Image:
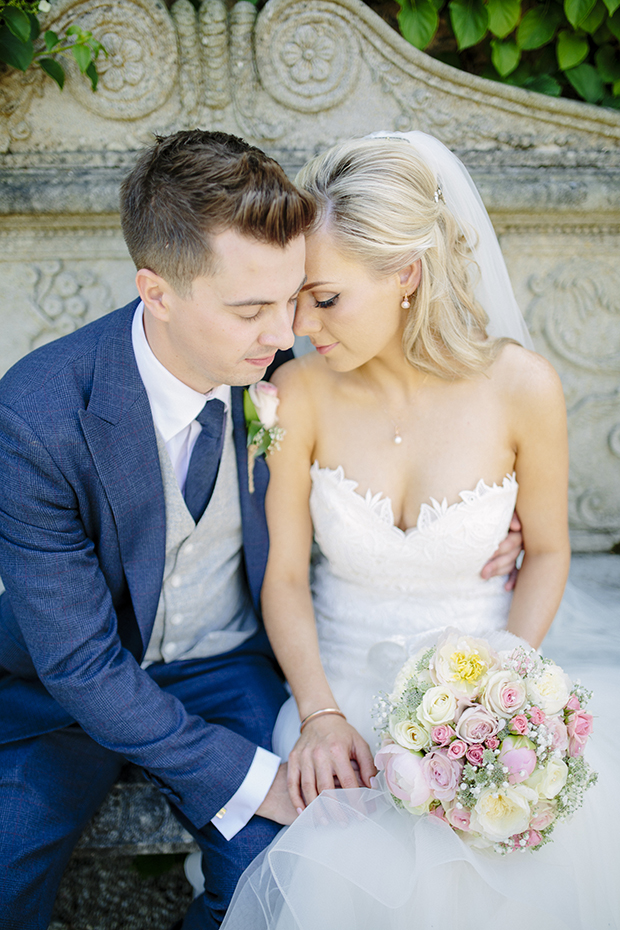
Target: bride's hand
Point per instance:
(329, 753)
(504, 559)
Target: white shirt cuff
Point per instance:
(249, 796)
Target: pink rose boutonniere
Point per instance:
(260, 405)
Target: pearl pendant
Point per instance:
(398, 439)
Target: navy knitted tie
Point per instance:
(205, 458)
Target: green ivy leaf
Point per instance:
(18, 22)
(469, 19)
(55, 71)
(608, 64)
(613, 24)
(91, 74)
(51, 40)
(35, 27)
(616, 89)
(418, 21)
(538, 27)
(613, 102)
(577, 10)
(13, 51)
(504, 16)
(571, 49)
(594, 19)
(505, 56)
(587, 82)
(82, 55)
(612, 6)
(543, 84)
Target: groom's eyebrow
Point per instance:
(257, 302)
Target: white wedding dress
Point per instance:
(352, 861)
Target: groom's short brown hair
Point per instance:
(192, 185)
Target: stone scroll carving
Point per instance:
(294, 78)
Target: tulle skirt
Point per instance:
(352, 861)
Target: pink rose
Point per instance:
(579, 726)
(536, 716)
(264, 396)
(573, 703)
(457, 749)
(474, 754)
(404, 773)
(492, 742)
(558, 732)
(443, 774)
(518, 755)
(439, 813)
(459, 819)
(476, 724)
(442, 734)
(543, 813)
(519, 724)
(534, 838)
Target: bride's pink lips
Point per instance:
(261, 362)
(323, 350)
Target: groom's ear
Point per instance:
(410, 276)
(154, 291)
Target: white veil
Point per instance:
(494, 290)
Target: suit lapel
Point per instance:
(119, 431)
(254, 523)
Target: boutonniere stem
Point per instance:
(260, 403)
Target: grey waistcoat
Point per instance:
(205, 607)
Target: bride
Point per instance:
(409, 434)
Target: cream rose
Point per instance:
(463, 663)
(551, 690)
(502, 812)
(438, 706)
(505, 693)
(409, 733)
(265, 398)
(477, 724)
(549, 781)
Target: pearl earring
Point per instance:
(405, 304)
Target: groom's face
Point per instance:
(229, 327)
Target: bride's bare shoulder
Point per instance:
(306, 374)
(527, 378)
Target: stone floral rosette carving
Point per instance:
(140, 71)
(308, 59)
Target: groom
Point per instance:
(131, 548)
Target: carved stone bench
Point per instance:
(134, 819)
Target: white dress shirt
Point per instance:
(174, 407)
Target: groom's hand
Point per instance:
(329, 753)
(277, 805)
(504, 559)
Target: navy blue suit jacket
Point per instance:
(82, 547)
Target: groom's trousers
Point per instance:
(51, 785)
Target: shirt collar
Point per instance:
(173, 404)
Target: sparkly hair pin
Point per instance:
(438, 195)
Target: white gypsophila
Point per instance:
(550, 690)
(549, 780)
(438, 706)
(505, 693)
(501, 812)
(410, 734)
(408, 673)
(265, 398)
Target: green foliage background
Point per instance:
(557, 47)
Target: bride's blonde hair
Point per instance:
(380, 201)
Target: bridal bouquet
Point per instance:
(490, 742)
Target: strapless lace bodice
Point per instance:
(376, 587)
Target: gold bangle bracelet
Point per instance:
(320, 713)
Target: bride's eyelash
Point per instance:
(327, 303)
